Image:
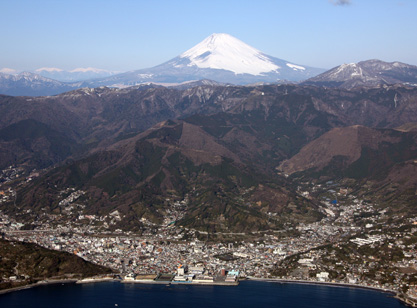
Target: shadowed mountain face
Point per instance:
(94, 118)
(34, 143)
(221, 156)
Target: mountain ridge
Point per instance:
(97, 117)
(366, 73)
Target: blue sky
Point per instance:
(127, 35)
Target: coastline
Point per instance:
(325, 283)
(146, 281)
(405, 301)
(94, 280)
(209, 283)
(37, 284)
(396, 295)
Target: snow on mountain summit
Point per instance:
(223, 51)
(220, 58)
(48, 69)
(370, 73)
(89, 69)
(7, 70)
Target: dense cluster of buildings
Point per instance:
(338, 249)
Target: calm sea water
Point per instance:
(247, 294)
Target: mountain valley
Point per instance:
(227, 149)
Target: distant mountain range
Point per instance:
(31, 84)
(220, 59)
(78, 74)
(46, 81)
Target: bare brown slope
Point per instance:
(345, 142)
(408, 127)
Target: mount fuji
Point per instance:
(220, 57)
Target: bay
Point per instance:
(247, 294)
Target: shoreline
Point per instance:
(37, 284)
(276, 280)
(188, 283)
(405, 301)
(324, 283)
(93, 280)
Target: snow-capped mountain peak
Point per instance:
(350, 69)
(48, 69)
(7, 70)
(370, 73)
(219, 57)
(89, 70)
(223, 51)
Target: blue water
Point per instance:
(247, 294)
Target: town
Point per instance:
(375, 252)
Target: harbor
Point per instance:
(196, 275)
